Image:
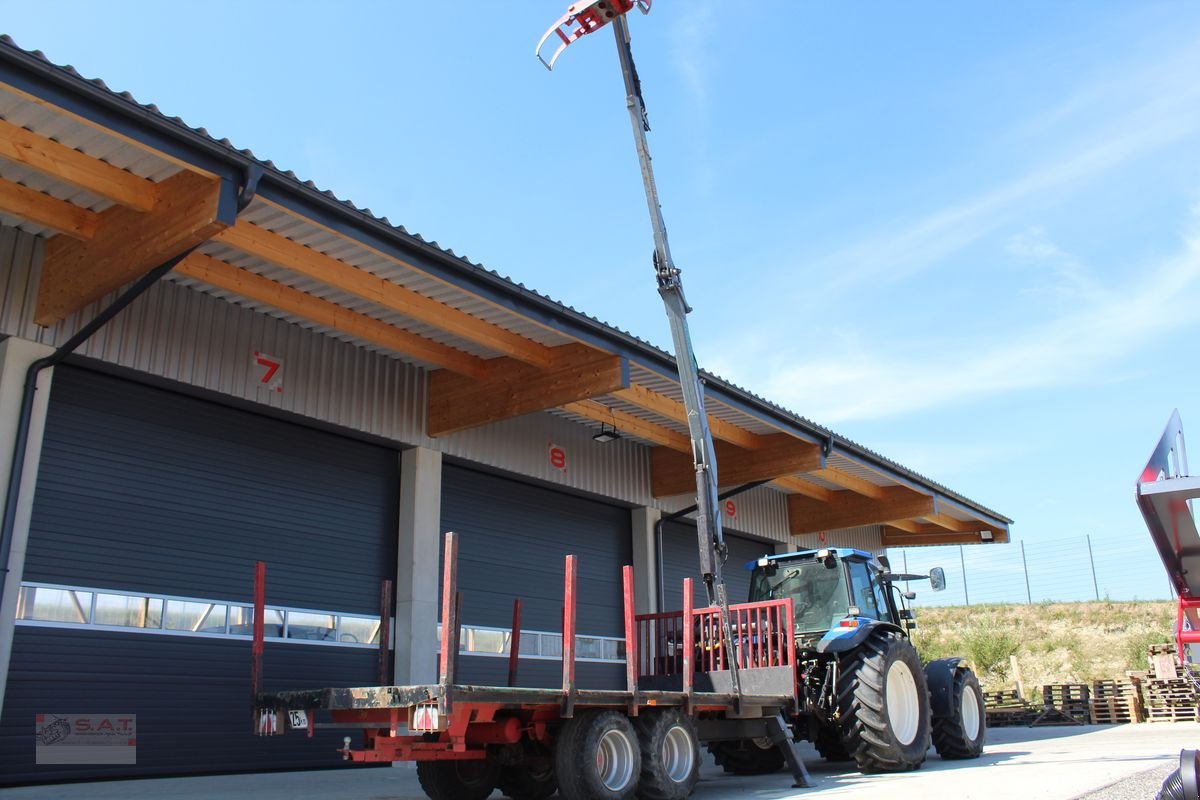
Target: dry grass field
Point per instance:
(1052, 642)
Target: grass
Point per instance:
(1052, 642)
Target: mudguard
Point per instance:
(940, 677)
(843, 639)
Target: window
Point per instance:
(862, 589)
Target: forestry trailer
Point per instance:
(819, 652)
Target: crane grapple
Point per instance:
(583, 18)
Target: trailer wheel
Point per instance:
(884, 704)
(670, 755)
(829, 744)
(597, 757)
(960, 733)
(747, 756)
(458, 780)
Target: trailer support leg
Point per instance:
(781, 735)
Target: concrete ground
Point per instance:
(1122, 762)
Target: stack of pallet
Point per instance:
(1168, 694)
(1064, 704)
(1115, 702)
(1006, 709)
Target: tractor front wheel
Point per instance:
(883, 702)
(959, 733)
(747, 756)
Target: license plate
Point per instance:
(425, 719)
(298, 719)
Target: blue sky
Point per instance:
(965, 235)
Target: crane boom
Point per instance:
(581, 19)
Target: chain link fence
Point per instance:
(1069, 569)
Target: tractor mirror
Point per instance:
(910, 596)
(937, 579)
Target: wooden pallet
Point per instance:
(1057, 694)
(1113, 711)
(1002, 698)
(1171, 713)
(1020, 716)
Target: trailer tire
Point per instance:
(883, 704)
(959, 734)
(458, 780)
(747, 756)
(829, 744)
(670, 755)
(597, 757)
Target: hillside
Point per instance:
(1053, 642)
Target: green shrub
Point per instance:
(989, 647)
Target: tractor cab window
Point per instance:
(863, 591)
(817, 589)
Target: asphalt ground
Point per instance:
(1112, 762)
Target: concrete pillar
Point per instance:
(15, 357)
(417, 578)
(645, 559)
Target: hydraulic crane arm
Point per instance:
(585, 18)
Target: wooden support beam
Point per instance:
(673, 410)
(908, 525)
(781, 454)
(330, 315)
(42, 209)
(848, 510)
(894, 537)
(797, 485)
(852, 482)
(78, 169)
(129, 243)
(514, 389)
(627, 423)
(270, 246)
(949, 523)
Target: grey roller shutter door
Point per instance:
(145, 490)
(514, 538)
(681, 559)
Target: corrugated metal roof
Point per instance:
(73, 133)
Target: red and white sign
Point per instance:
(268, 371)
(557, 456)
(821, 536)
(730, 509)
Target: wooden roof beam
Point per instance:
(673, 410)
(78, 169)
(513, 389)
(932, 535)
(42, 209)
(330, 315)
(672, 473)
(797, 485)
(627, 423)
(127, 243)
(277, 249)
(848, 510)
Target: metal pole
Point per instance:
(1092, 559)
(1025, 567)
(904, 554)
(963, 563)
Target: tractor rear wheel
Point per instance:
(960, 733)
(747, 756)
(883, 702)
(458, 780)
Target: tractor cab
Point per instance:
(834, 592)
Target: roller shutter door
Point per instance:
(514, 540)
(142, 490)
(681, 559)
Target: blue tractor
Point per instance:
(863, 693)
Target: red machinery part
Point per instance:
(583, 18)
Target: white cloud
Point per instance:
(1080, 346)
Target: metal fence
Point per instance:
(1067, 569)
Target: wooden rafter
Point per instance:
(781, 454)
(852, 482)
(847, 510)
(78, 169)
(931, 535)
(330, 315)
(127, 244)
(513, 389)
(42, 209)
(908, 525)
(630, 424)
(270, 246)
(673, 410)
(797, 485)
